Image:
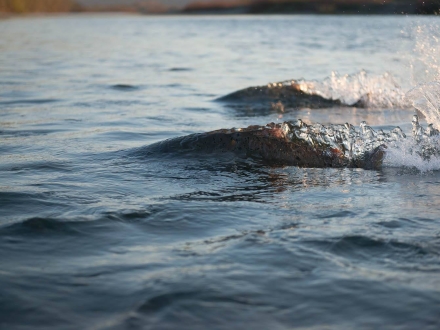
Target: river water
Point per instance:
(96, 235)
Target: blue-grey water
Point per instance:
(96, 235)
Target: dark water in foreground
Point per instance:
(94, 234)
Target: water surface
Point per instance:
(96, 235)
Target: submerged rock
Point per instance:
(288, 94)
(285, 144)
(359, 90)
(298, 144)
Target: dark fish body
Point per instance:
(274, 143)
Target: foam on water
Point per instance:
(372, 91)
(362, 90)
(422, 151)
(408, 153)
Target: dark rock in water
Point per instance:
(124, 87)
(178, 69)
(289, 94)
(278, 144)
(358, 90)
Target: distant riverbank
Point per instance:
(38, 6)
(314, 7)
(351, 7)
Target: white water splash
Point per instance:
(425, 71)
(425, 60)
(373, 91)
(426, 99)
(409, 153)
(420, 150)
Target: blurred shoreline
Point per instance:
(226, 7)
(335, 7)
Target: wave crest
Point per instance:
(370, 91)
(360, 90)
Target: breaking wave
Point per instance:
(425, 73)
(361, 90)
(411, 154)
(421, 149)
(370, 91)
(425, 97)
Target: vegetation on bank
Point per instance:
(66, 6)
(37, 6)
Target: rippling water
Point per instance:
(96, 235)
